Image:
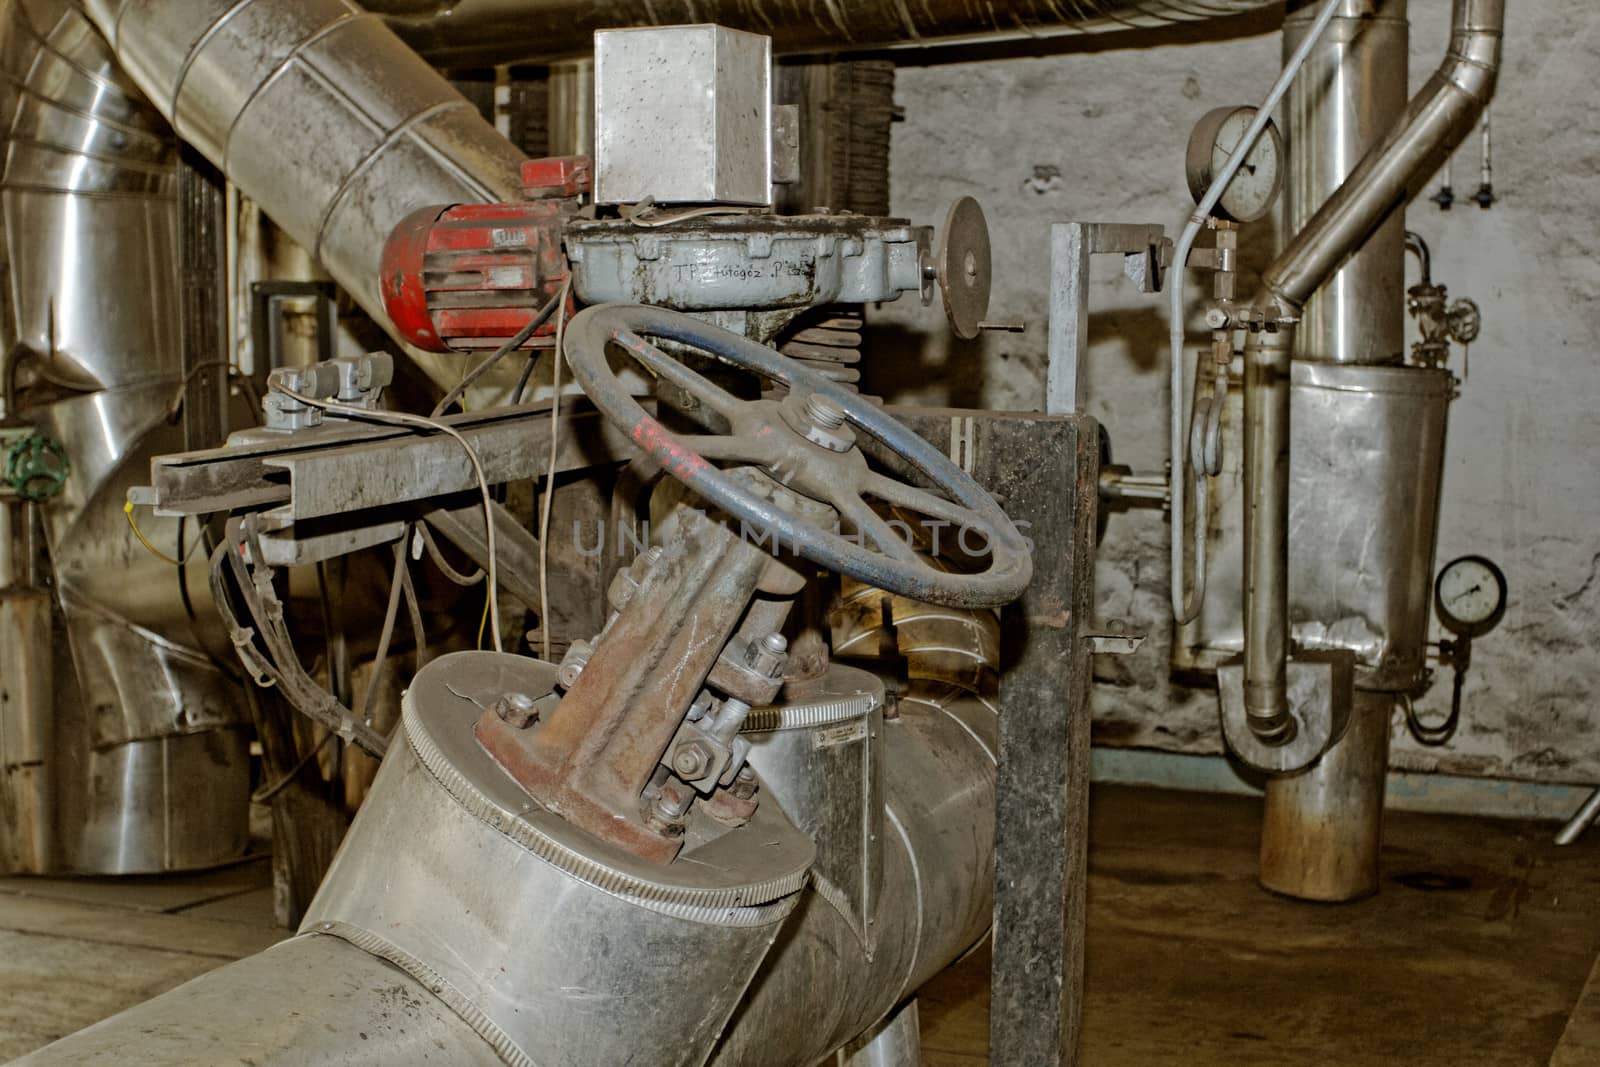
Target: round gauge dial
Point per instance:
(1250, 195)
(1470, 595)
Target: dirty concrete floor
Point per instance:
(1476, 951)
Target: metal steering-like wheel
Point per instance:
(806, 443)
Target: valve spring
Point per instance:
(827, 341)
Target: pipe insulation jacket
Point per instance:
(88, 192)
(478, 32)
(316, 111)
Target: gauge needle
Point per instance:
(1459, 597)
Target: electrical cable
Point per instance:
(550, 475)
(521, 338)
(1186, 603)
(369, 705)
(127, 509)
(276, 665)
(267, 792)
(425, 534)
(432, 425)
(527, 373)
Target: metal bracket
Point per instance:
(266, 322)
(1114, 642)
(1146, 253)
(1321, 693)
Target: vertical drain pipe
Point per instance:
(1322, 827)
(1266, 533)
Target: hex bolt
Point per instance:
(671, 804)
(690, 761)
(573, 663)
(744, 786)
(516, 710)
(767, 656)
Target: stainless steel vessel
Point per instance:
(1349, 93)
(1365, 462)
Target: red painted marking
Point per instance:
(657, 440)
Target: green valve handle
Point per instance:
(36, 467)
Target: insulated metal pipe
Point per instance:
(1322, 829)
(1350, 95)
(1266, 532)
(319, 113)
(477, 32)
(88, 192)
(1434, 122)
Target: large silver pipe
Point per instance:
(430, 863)
(88, 192)
(316, 111)
(1349, 95)
(1322, 829)
(476, 32)
(128, 755)
(1266, 532)
(1434, 122)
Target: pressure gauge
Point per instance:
(1470, 596)
(1250, 194)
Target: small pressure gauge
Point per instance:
(1470, 596)
(1249, 196)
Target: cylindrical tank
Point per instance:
(557, 948)
(1366, 458)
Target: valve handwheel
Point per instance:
(806, 443)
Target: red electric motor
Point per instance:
(463, 277)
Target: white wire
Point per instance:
(1186, 604)
(550, 472)
(420, 422)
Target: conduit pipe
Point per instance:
(1433, 123)
(122, 747)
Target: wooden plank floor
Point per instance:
(1475, 952)
(75, 950)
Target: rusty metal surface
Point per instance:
(593, 757)
(345, 467)
(1045, 471)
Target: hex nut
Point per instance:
(517, 710)
(690, 761)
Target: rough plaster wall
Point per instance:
(1097, 134)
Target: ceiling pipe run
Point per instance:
(478, 32)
